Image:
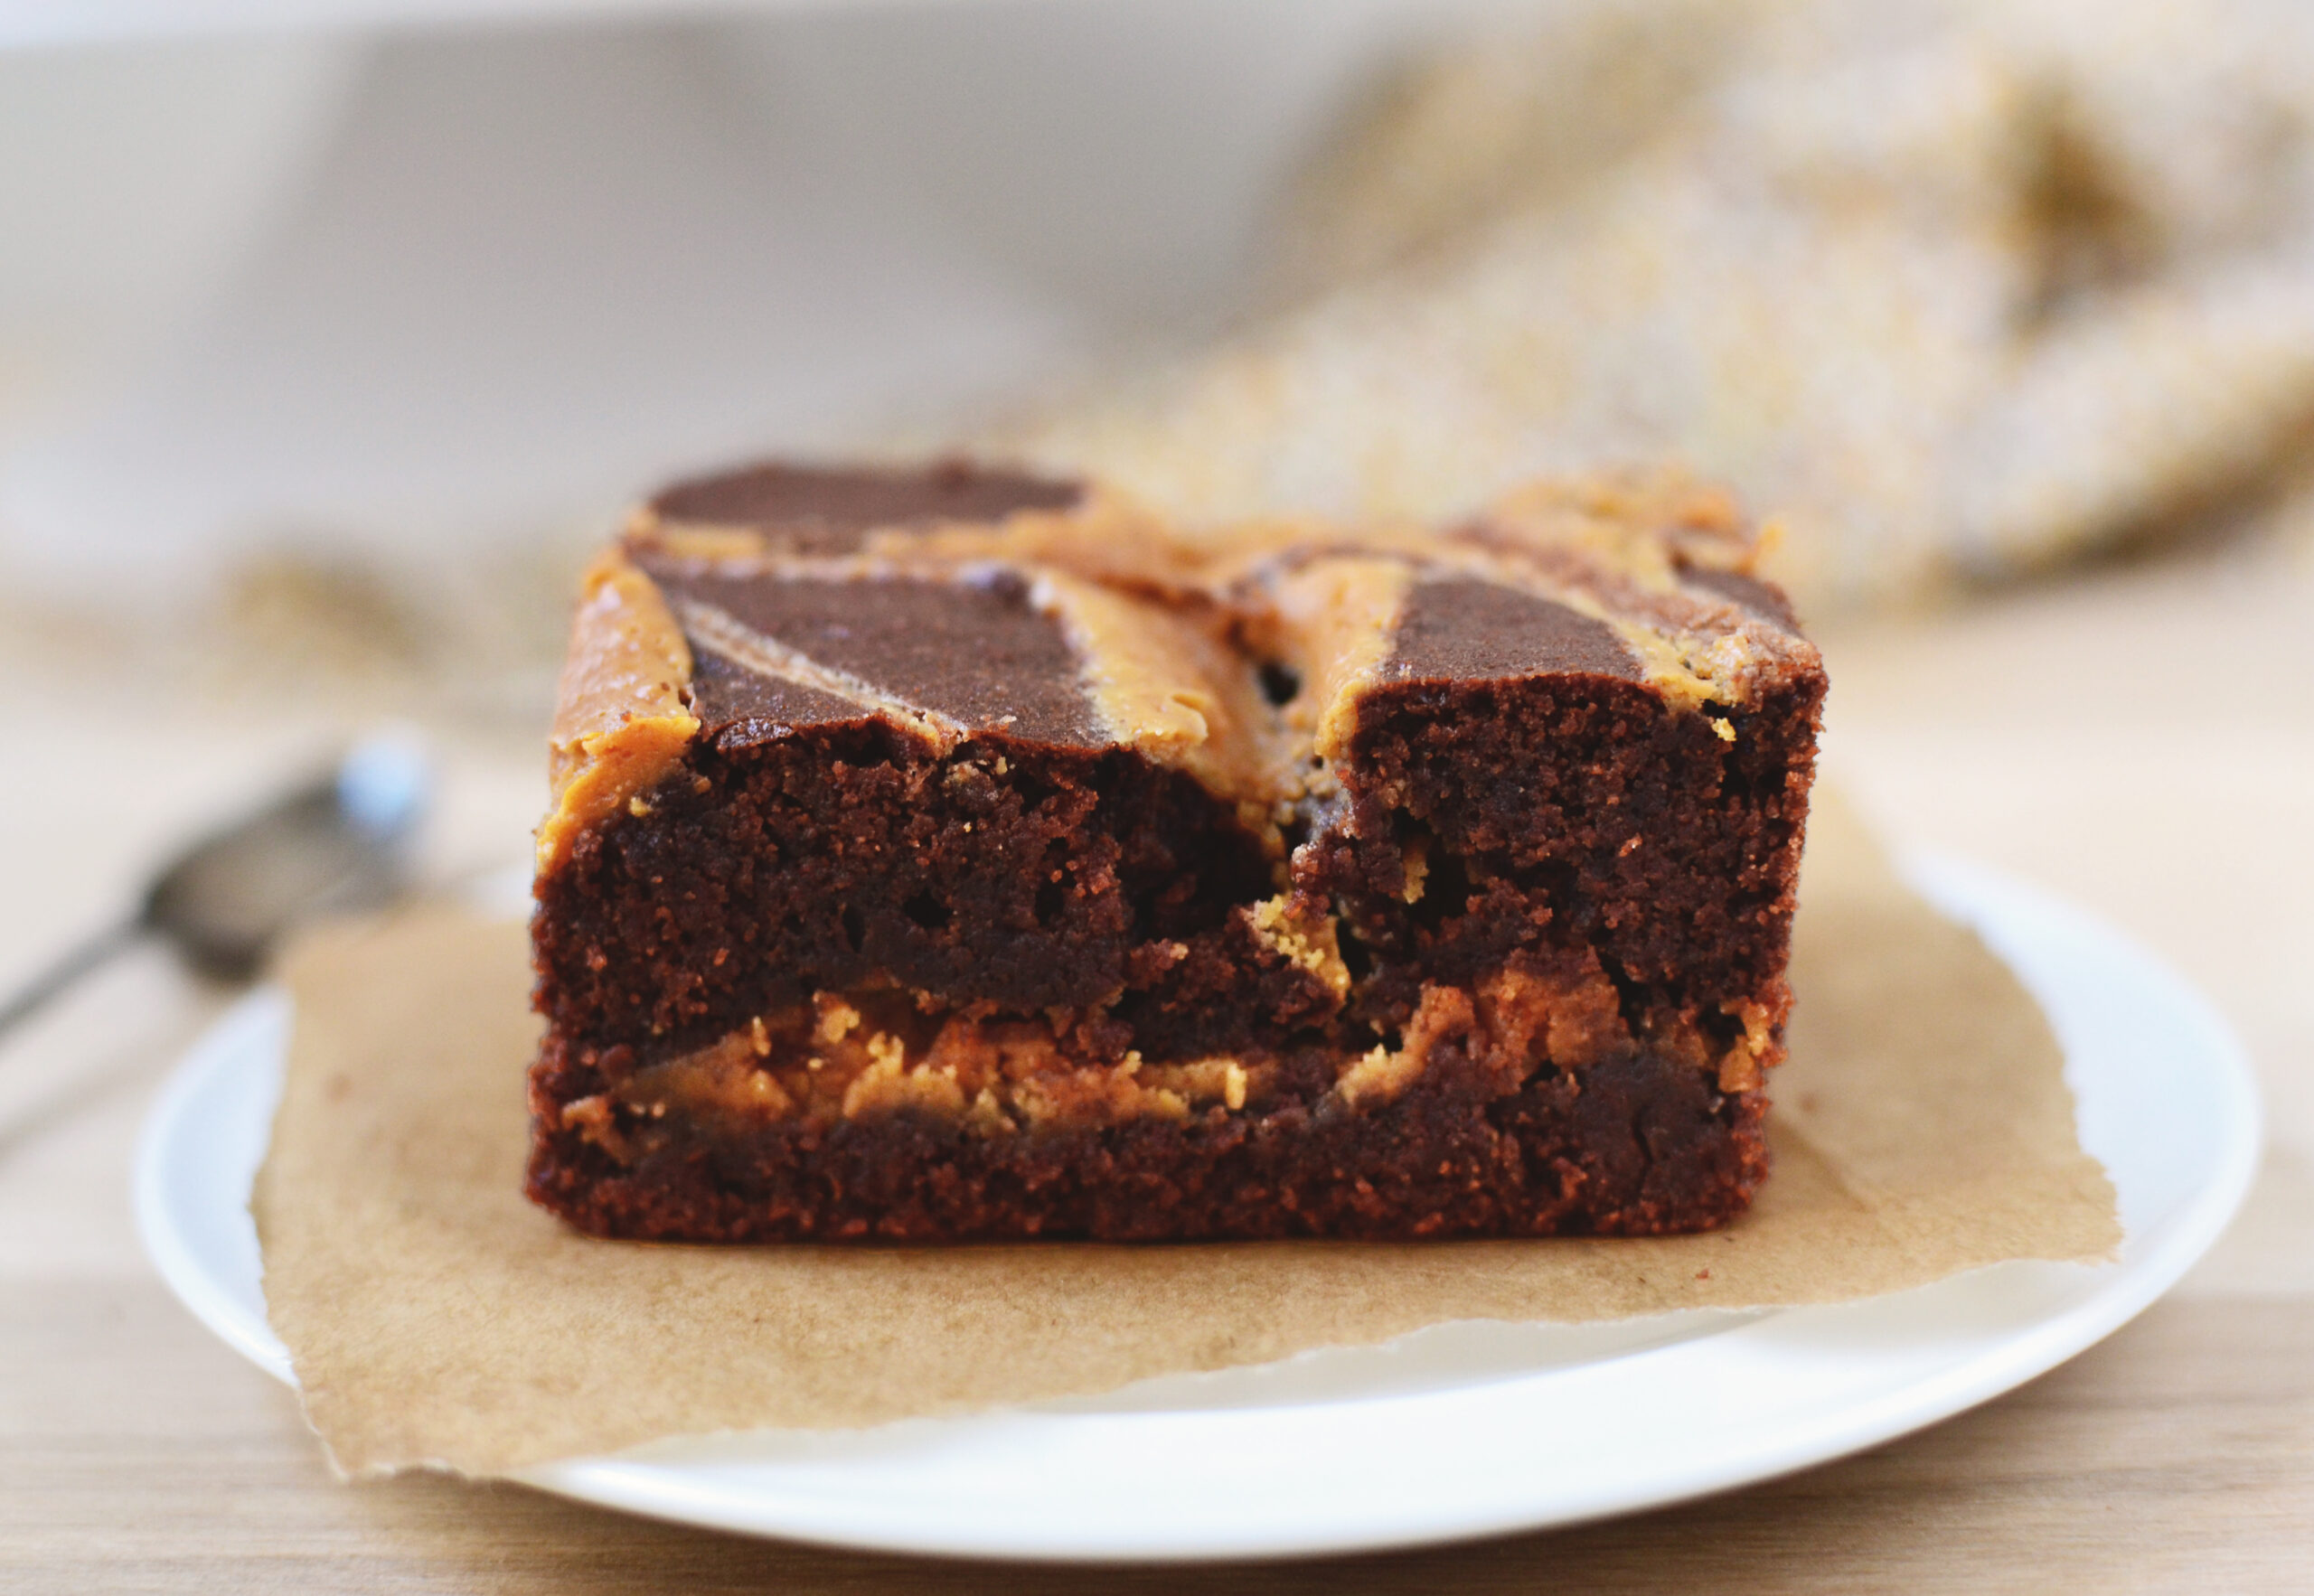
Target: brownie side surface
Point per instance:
(848, 856)
(912, 944)
(944, 813)
(1573, 810)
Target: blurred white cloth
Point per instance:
(1952, 286)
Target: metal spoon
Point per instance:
(339, 843)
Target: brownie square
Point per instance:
(953, 854)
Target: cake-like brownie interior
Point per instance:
(1514, 754)
(1382, 887)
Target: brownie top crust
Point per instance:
(944, 626)
(1461, 629)
(830, 510)
(1352, 621)
(971, 652)
(956, 602)
(1764, 601)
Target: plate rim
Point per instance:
(2007, 914)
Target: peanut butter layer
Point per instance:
(622, 717)
(1166, 682)
(864, 1055)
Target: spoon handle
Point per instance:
(88, 954)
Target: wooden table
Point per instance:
(2140, 740)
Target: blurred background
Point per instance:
(347, 324)
(334, 333)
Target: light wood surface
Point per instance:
(2141, 741)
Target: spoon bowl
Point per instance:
(338, 843)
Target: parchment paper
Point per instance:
(1921, 1127)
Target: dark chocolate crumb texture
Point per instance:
(955, 854)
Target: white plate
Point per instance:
(1462, 1430)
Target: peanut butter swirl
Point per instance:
(952, 604)
(623, 716)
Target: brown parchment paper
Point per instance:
(1921, 1127)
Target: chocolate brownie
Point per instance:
(953, 854)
